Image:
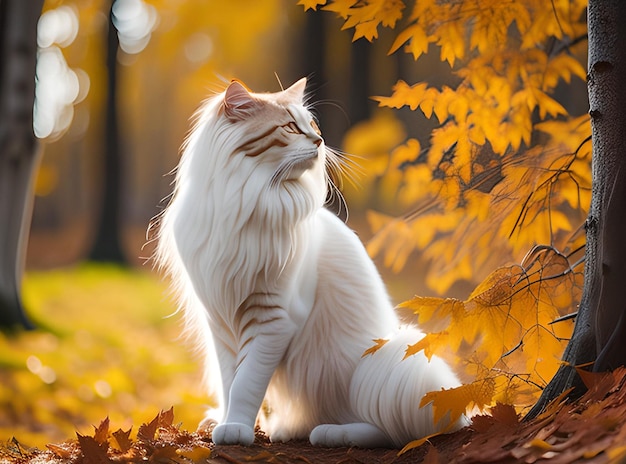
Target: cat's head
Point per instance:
(275, 130)
(258, 154)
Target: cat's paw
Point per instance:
(233, 433)
(346, 435)
(206, 426)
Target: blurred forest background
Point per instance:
(172, 55)
(105, 344)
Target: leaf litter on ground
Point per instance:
(589, 430)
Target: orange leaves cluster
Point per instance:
(479, 172)
(494, 102)
(446, 23)
(476, 192)
(503, 339)
(461, 28)
(510, 204)
(363, 15)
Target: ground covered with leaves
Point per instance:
(592, 430)
(105, 348)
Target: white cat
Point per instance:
(280, 291)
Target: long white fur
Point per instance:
(281, 293)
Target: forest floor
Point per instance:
(591, 430)
(106, 348)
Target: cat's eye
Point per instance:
(315, 127)
(292, 128)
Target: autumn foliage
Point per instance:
(159, 440)
(506, 170)
(590, 430)
(506, 339)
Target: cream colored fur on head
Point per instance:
(279, 292)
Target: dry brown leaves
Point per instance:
(159, 441)
(593, 429)
(590, 430)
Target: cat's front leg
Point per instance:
(227, 363)
(263, 353)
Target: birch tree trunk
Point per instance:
(599, 336)
(18, 148)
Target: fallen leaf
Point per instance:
(197, 454)
(504, 414)
(93, 452)
(101, 433)
(59, 451)
(147, 431)
(123, 439)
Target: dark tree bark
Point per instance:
(360, 91)
(313, 57)
(19, 154)
(599, 336)
(107, 246)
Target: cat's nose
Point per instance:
(317, 142)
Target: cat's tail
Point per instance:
(386, 390)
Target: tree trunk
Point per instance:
(19, 154)
(360, 92)
(107, 246)
(600, 333)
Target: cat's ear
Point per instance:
(296, 91)
(238, 102)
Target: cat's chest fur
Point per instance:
(261, 262)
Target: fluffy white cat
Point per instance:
(280, 292)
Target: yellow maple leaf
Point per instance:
(417, 40)
(452, 41)
(378, 344)
(311, 4)
(548, 105)
(431, 313)
(418, 443)
(365, 16)
(367, 30)
(463, 158)
(561, 67)
(431, 343)
(542, 349)
(458, 400)
(497, 288)
(442, 102)
(404, 95)
(341, 7)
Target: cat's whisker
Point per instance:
(331, 103)
(335, 195)
(342, 164)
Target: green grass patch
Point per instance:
(107, 344)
